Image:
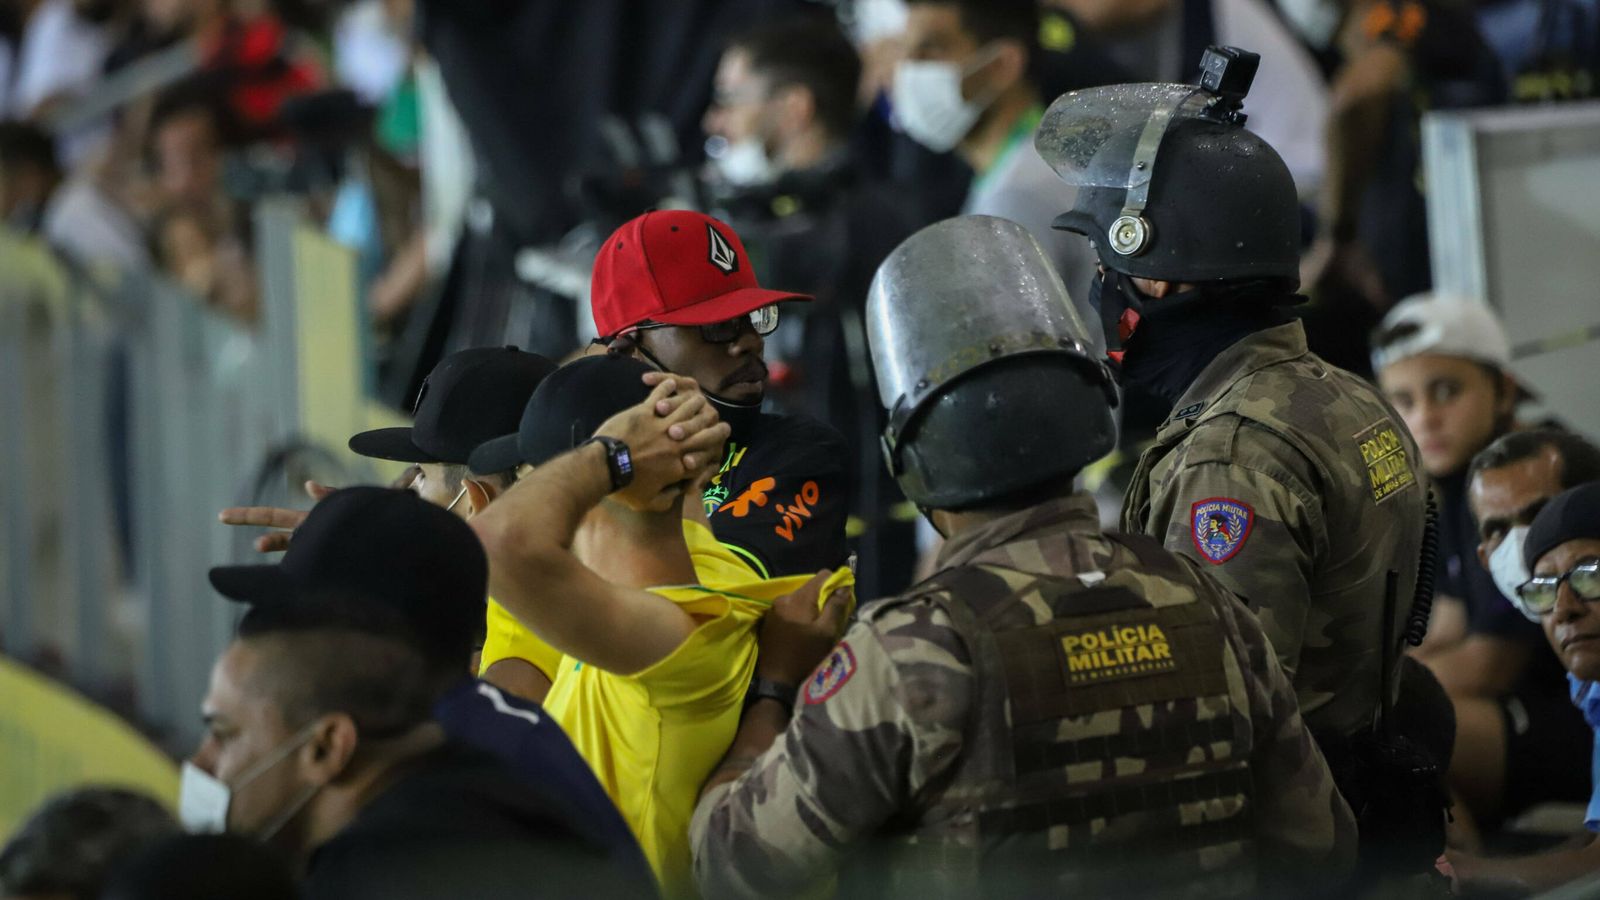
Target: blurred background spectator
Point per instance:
(70, 845)
(202, 867)
(29, 174)
(784, 174)
(440, 174)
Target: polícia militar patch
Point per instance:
(832, 674)
(1219, 526)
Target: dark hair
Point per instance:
(24, 144)
(201, 867)
(71, 843)
(198, 94)
(454, 476)
(812, 53)
(1580, 459)
(340, 654)
(995, 20)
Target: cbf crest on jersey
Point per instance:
(1220, 526)
(722, 255)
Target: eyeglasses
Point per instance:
(763, 321)
(1538, 594)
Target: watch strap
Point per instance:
(619, 460)
(785, 694)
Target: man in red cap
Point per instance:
(676, 289)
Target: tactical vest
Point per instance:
(1120, 764)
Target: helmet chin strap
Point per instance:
(1121, 308)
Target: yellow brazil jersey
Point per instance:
(653, 737)
(506, 638)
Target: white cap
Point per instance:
(1441, 324)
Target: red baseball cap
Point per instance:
(676, 267)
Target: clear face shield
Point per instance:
(1108, 137)
(958, 295)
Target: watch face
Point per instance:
(624, 459)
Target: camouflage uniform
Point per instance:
(1055, 711)
(1292, 482)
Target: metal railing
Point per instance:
(129, 415)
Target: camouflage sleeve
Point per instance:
(1255, 528)
(1305, 828)
(877, 722)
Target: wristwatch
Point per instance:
(771, 690)
(618, 459)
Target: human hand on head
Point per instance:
(667, 449)
(685, 385)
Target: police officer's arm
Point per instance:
(528, 534)
(796, 636)
(1306, 830)
(874, 727)
(1269, 561)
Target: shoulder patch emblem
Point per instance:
(1220, 526)
(1384, 453)
(832, 675)
(1190, 411)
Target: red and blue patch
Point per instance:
(832, 675)
(1220, 526)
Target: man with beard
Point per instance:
(676, 289)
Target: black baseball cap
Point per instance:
(1571, 515)
(375, 548)
(565, 411)
(469, 397)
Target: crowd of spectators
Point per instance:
(481, 159)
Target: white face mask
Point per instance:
(1315, 20)
(452, 506)
(204, 799)
(876, 20)
(1507, 569)
(744, 163)
(928, 102)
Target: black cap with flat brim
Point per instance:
(366, 548)
(566, 410)
(469, 397)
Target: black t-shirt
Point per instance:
(457, 824)
(782, 498)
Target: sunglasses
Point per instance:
(1538, 594)
(763, 321)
